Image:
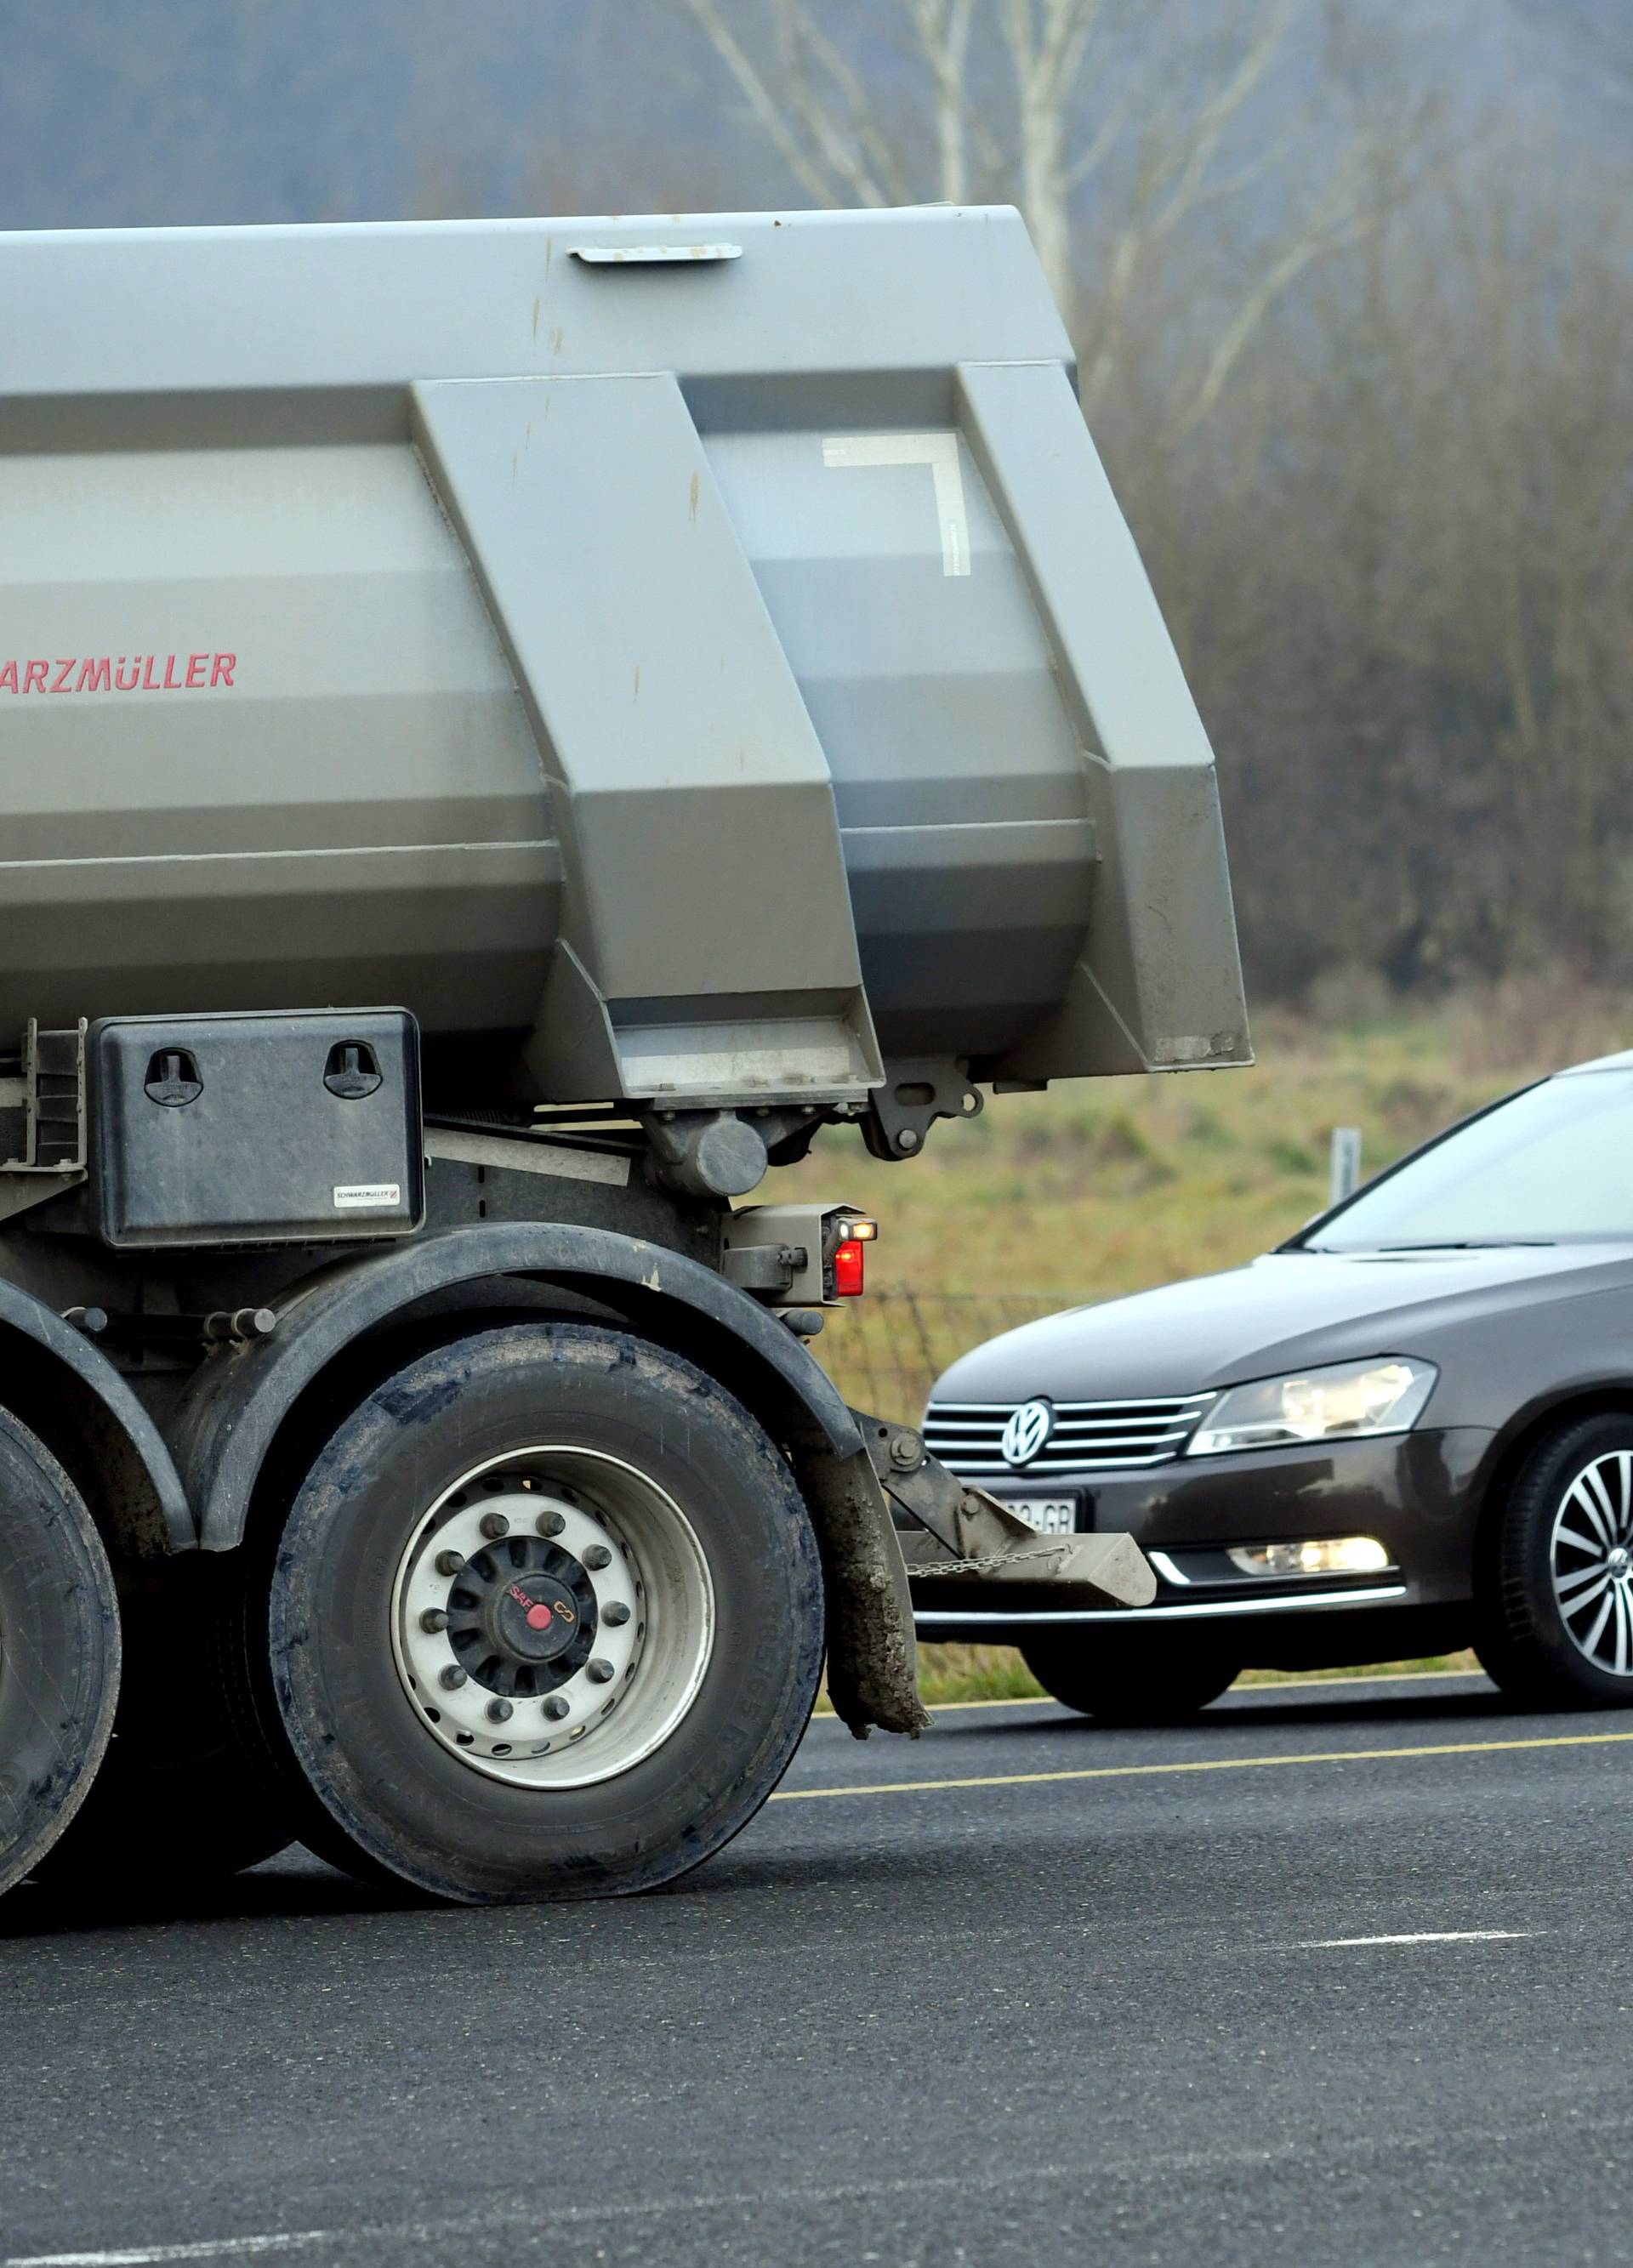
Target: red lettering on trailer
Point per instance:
(194, 673)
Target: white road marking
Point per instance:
(213, 2248)
(1417, 1937)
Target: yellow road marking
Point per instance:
(1208, 1765)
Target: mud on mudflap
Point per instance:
(951, 1533)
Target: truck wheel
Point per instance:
(1554, 1586)
(59, 1650)
(185, 1795)
(1128, 1678)
(545, 1620)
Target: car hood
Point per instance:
(1288, 1310)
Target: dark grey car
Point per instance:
(1407, 1429)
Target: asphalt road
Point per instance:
(1331, 1977)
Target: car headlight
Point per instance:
(1339, 1402)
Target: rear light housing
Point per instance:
(799, 1255)
(849, 1235)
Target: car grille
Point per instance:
(966, 1435)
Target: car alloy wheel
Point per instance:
(1553, 1605)
(1590, 1559)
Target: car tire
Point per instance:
(451, 1533)
(1127, 1679)
(1554, 1579)
(59, 1650)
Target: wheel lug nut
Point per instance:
(598, 1555)
(452, 1678)
(449, 1563)
(499, 1711)
(616, 1615)
(600, 1672)
(555, 1707)
(493, 1525)
(434, 1618)
(550, 1523)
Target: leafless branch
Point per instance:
(762, 103)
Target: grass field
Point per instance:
(1107, 1186)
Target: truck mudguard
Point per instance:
(234, 1414)
(66, 1388)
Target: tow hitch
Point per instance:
(949, 1531)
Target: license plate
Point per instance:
(1050, 1516)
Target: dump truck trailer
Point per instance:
(508, 731)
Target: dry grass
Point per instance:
(1108, 1186)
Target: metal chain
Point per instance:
(1053, 1553)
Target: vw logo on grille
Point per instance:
(1027, 1431)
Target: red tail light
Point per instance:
(848, 1270)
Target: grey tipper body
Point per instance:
(689, 681)
(510, 728)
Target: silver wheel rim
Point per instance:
(1591, 1557)
(627, 1562)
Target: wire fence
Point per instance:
(884, 1352)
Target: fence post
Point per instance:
(1344, 1170)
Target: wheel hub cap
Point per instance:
(552, 1618)
(522, 1616)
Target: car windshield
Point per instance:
(1552, 1163)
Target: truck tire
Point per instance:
(186, 1794)
(59, 1650)
(1554, 1579)
(1129, 1677)
(545, 1620)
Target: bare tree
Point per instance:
(1039, 99)
(808, 99)
(1366, 392)
(942, 28)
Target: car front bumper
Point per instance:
(1417, 1493)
